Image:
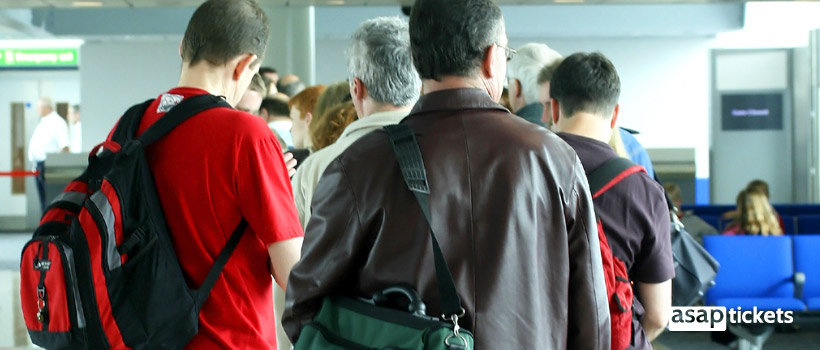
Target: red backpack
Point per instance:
(100, 271)
(618, 286)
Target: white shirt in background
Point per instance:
(75, 132)
(50, 136)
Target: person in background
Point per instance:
(382, 92)
(275, 111)
(75, 129)
(301, 115)
(543, 81)
(522, 79)
(696, 226)
(756, 185)
(635, 150)
(219, 167)
(326, 129)
(755, 215)
(252, 99)
(584, 94)
(510, 205)
(270, 73)
(290, 85)
(50, 136)
(335, 94)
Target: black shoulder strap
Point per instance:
(129, 123)
(407, 151)
(219, 264)
(611, 173)
(186, 109)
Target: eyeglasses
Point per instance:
(507, 51)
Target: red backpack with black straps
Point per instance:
(100, 271)
(618, 287)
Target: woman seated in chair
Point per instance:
(755, 216)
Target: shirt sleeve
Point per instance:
(655, 264)
(588, 310)
(300, 197)
(264, 192)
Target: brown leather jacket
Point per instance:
(511, 210)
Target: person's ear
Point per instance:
(358, 90)
(180, 48)
(517, 85)
(615, 116)
(308, 118)
(556, 109)
(488, 63)
(244, 63)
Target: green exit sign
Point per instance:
(39, 58)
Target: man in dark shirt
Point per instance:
(584, 99)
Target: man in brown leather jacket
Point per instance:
(510, 204)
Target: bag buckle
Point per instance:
(41, 304)
(456, 328)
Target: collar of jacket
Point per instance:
(455, 99)
(374, 121)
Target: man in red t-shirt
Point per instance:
(220, 166)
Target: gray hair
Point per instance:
(379, 55)
(526, 65)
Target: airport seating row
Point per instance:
(767, 272)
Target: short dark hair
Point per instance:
(220, 30)
(586, 82)
(266, 70)
(450, 37)
(275, 106)
(548, 71)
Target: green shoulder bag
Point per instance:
(395, 317)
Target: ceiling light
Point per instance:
(87, 4)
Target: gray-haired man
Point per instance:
(522, 77)
(383, 85)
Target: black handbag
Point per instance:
(695, 268)
(394, 318)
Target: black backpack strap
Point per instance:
(611, 173)
(186, 109)
(408, 154)
(129, 123)
(219, 264)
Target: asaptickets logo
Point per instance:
(713, 319)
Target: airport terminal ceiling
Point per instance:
(193, 3)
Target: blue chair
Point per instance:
(808, 224)
(754, 271)
(701, 210)
(789, 224)
(713, 220)
(797, 209)
(807, 261)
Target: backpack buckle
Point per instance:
(131, 147)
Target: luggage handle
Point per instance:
(414, 303)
